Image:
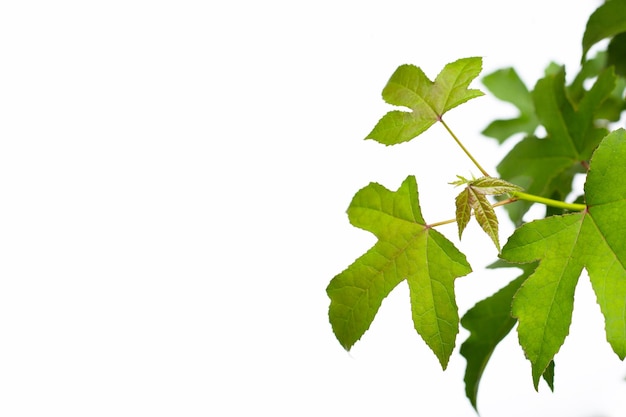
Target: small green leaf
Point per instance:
(566, 244)
(408, 249)
(485, 215)
(606, 21)
(473, 199)
(463, 210)
(409, 87)
(506, 85)
(493, 186)
(461, 181)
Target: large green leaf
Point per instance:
(564, 245)
(606, 21)
(407, 248)
(409, 87)
(547, 166)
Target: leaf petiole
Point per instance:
(469, 155)
(518, 195)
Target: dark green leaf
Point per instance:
(489, 321)
(606, 21)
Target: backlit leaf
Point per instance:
(485, 215)
(406, 249)
(472, 199)
(493, 186)
(564, 245)
(410, 88)
(463, 210)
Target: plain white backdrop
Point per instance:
(173, 185)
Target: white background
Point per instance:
(173, 185)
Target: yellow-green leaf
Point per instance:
(427, 101)
(493, 186)
(485, 215)
(407, 248)
(463, 210)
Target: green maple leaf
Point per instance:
(407, 248)
(473, 199)
(409, 87)
(564, 245)
(546, 167)
(489, 321)
(506, 85)
(611, 108)
(606, 21)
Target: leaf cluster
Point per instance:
(584, 233)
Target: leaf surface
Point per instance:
(473, 199)
(566, 244)
(409, 87)
(547, 166)
(506, 85)
(606, 21)
(406, 249)
(617, 53)
(489, 322)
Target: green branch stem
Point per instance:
(469, 155)
(518, 195)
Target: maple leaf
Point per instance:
(474, 199)
(489, 321)
(506, 85)
(407, 248)
(564, 245)
(546, 167)
(409, 87)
